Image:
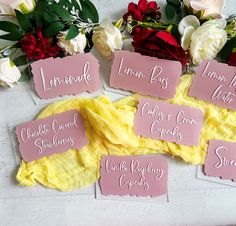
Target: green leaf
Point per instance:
(25, 75)
(227, 49)
(21, 60)
(89, 11)
(61, 12)
(73, 32)
(39, 19)
(53, 29)
(76, 4)
(14, 36)
(170, 11)
(8, 26)
(50, 17)
(23, 21)
(66, 3)
(175, 3)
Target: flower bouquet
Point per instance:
(40, 29)
(190, 31)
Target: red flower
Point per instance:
(232, 59)
(159, 44)
(143, 10)
(38, 47)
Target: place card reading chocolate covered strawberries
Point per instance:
(54, 134)
(145, 75)
(70, 75)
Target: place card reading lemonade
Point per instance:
(51, 135)
(134, 175)
(169, 122)
(145, 75)
(70, 75)
(221, 160)
(216, 83)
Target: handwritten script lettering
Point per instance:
(64, 76)
(141, 175)
(221, 159)
(146, 75)
(51, 135)
(170, 122)
(216, 83)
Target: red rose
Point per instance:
(159, 44)
(232, 59)
(37, 47)
(143, 10)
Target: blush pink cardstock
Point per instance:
(70, 75)
(215, 83)
(55, 134)
(134, 175)
(145, 75)
(170, 122)
(221, 160)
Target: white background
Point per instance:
(192, 201)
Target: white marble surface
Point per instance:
(191, 201)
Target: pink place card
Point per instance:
(170, 122)
(70, 75)
(55, 134)
(216, 83)
(145, 75)
(221, 160)
(134, 175)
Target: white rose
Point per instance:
(9, 73)
(212, 8)
(208, 40)
(107, 38)
(72, 46)
(24, 6)
(186, 28)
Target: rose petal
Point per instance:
(167, 37)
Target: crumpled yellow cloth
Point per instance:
(109, 128)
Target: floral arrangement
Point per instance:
(38, 29)
(190, 31)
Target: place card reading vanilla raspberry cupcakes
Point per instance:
(134, 175)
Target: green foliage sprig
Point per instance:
(52, 17)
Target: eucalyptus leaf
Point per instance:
(73, 32)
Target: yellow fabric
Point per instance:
(109, 128)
